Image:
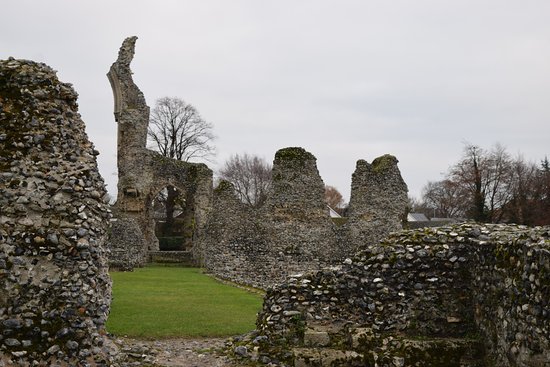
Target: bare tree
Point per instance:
(333, 198)
(490, 186)
(251, 177)
(444, 199)
(177, 131)
(530, 193)
(416, 205)
(522, 206)
(469, 173)
(542, 188)
(168, 202)
(486, 176)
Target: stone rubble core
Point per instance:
(465, 295)
(143, 173)
(55, 291)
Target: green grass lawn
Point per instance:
(160, 301)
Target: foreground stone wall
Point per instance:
(54, 287)
(512, 295)
(467, 295)
(292, 232)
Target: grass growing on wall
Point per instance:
(160, 301)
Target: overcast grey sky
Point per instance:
(346, 80)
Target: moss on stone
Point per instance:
(383, 163)
(340, 221)
(223, 186)
(295, 154)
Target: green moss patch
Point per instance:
(293, 154)
(383, 163)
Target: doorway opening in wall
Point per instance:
(173, 224)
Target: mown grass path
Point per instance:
(164, 302)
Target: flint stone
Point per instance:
(12, 323)
(241, 350)
(11, 342)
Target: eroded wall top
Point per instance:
(297, 189)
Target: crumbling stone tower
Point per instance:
(378, 200)
(144, 173)
(295, 210)
(298, 189)
(55, 291)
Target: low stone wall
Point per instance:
(464, 295)
(182, 258)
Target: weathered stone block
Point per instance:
(314, 338)
(310, 357)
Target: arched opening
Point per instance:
(173, 217)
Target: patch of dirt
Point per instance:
(174, 352)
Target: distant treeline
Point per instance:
(490, 186)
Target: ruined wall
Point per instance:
(292, 232)
(54, 287)
(143, 173)
(512, 293)
(377, 202)
(235, 245)
(297, 190)
(295, 214)
(126, 243)
(467, 295)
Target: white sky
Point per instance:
(346, 80)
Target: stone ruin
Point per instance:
(466, 295)
(143, 173)
(292, 231)
(54, 215)
(55, 291)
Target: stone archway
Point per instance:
(142, 172)
(166, 207)
(174, 221)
